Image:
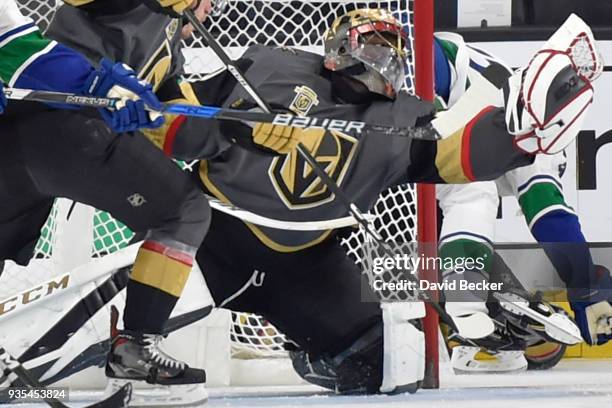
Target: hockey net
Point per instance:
(245, 22)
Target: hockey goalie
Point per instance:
(304, 282)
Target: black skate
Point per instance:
(137, 358)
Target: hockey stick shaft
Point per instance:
(214, 112)
(367, 226)
(18, 94)
(322, 174)
(226, 60)
(257, 219)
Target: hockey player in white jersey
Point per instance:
(552, 222)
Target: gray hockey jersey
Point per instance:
(146, 41)
(285, 187)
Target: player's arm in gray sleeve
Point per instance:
(191, 138)
(482, 149)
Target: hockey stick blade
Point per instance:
(558, 326)
(119, 399)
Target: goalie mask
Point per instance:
(368, 45)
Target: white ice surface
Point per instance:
(572, 384)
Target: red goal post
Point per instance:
(427, 230)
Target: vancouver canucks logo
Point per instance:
(295, 181)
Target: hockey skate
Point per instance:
(499, 352)
(529, 311)
(535, 316)
(519, 341)
(137, 358)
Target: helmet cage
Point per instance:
(378, 28)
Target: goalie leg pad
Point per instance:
(404, 347)
(388, 358)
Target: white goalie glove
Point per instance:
(546, 101)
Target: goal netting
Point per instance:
(245, 22)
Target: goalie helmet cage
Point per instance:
(402, 213)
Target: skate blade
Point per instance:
(172, 396)
(463, 361)
(557, 326)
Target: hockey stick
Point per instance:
(119, 399)
(257, 219)
(426, 132)
(325, 178)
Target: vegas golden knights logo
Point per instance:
(294, 180)
(158, 66)
(305, 99)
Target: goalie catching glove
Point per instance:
(547, 101)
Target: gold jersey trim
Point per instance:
(448, 159)
(267, 241)
(78, 3)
